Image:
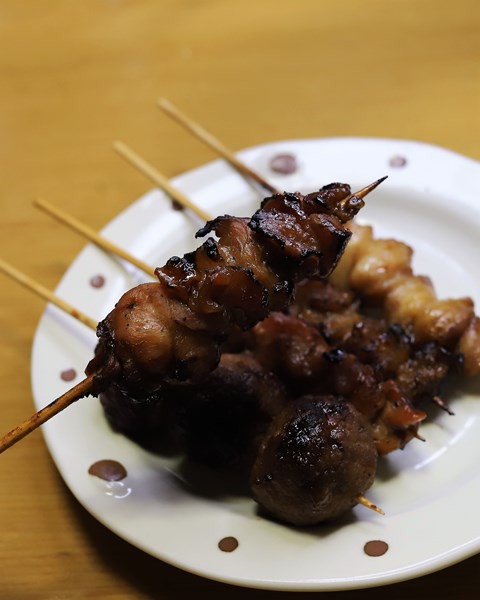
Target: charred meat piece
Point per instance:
(422, 376)
(374, 342)
(393, 418)
(333, 310)
(152, 422)
(290, 347)
(316, 459)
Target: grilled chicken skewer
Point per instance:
(380, 270)
(204, 314)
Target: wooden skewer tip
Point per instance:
(439, 402)
(419, 437)
(369, 188)
(357, 197)
(369, 504)
(164, 103)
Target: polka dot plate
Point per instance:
(430, 491)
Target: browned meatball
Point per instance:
(316, 459)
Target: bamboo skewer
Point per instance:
(210, 140)
(439, 402)
(369, 504)
(80, 390)
(159, 179)
(91, 235)
(363, 192)
(46, 294)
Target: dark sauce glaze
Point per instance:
(108, 470)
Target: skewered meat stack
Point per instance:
(315, 390)
(359, 374)
(170, 331)
(161, 338)
(311, 458)
(290, 238)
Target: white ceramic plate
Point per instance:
(430, 491)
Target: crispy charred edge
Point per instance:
(399, 398)
(330, 199)
(301, 232)
(210, 226)
(232, 291)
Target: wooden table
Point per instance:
(74, 77)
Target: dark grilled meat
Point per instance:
(316, 459)
(298, 353)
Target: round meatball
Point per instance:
(317, 457)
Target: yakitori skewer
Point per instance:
(215, 144)
(91, 235)
(46, 294)
(159, 179)
(88, 386)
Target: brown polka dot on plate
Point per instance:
(68, 374)
(97, 281)
(286, 164)
(375, 548)
(397, 161)
(228, 544)
(108, 470)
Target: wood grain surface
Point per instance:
(74, 76)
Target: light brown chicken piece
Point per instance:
(380, 270)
